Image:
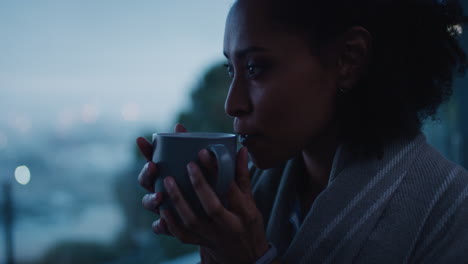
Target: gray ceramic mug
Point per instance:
(173, 151)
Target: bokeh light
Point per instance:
(65, 121)
(456, 29)
(22, 175)
(130, 112)
(89, 113)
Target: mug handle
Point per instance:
(226, 168)
(153, 139)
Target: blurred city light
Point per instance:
(66, 119)
(22, 175)
(456, 29)
(89, 113)
(130, 112)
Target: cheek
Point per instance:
(298, 102)
(291, 115)
(271, 105)
(315, 103)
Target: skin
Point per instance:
(282, 93)
(239, 229)
(273, 94)
(283, 96)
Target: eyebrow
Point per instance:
(239, 54)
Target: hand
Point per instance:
(234, 235)
(147, 178)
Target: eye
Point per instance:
(254, 70)
(229, 69)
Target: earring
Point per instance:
(343, 91)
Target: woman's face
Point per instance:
(281, 95)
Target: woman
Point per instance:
(328, 99)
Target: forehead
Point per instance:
(248, 25)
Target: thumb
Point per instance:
(146, 148)
(179, 128)
(242, 171)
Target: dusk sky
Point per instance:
(78, 80)
(65, 61)
(65, 65)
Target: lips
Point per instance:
(248, 139)
(243, 138)
(248, 135)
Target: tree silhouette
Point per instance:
(206, 112)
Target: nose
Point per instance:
(238, 101)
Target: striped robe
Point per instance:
(411, 206)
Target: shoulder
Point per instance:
(448, 180)
(429, 207)
(445, 236)
(433, 171)
(445, 232)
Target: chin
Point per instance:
(265, 162)
(268, 154)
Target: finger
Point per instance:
(152, 201)
(208, 198)
(206, 256)
(235, 199)
(179, 128)
(147, 176)
(145, 147)
(242, 204)
(242, 171)
(208, 162)
(189, 219)
(160, 227)
(181, 233)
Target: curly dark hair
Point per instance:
(415, 54)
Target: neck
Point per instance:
(318, 159)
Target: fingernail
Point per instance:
(245, 150)
(154, 197)
(145, 169)
(190, 168)
(151, 165)
(157, 227)
(163, 215)
(169, 184)
(204, 152)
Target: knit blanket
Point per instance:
(411, 206)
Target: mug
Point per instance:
(172, 153)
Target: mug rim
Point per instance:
(196, 135)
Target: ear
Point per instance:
(354, 57)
